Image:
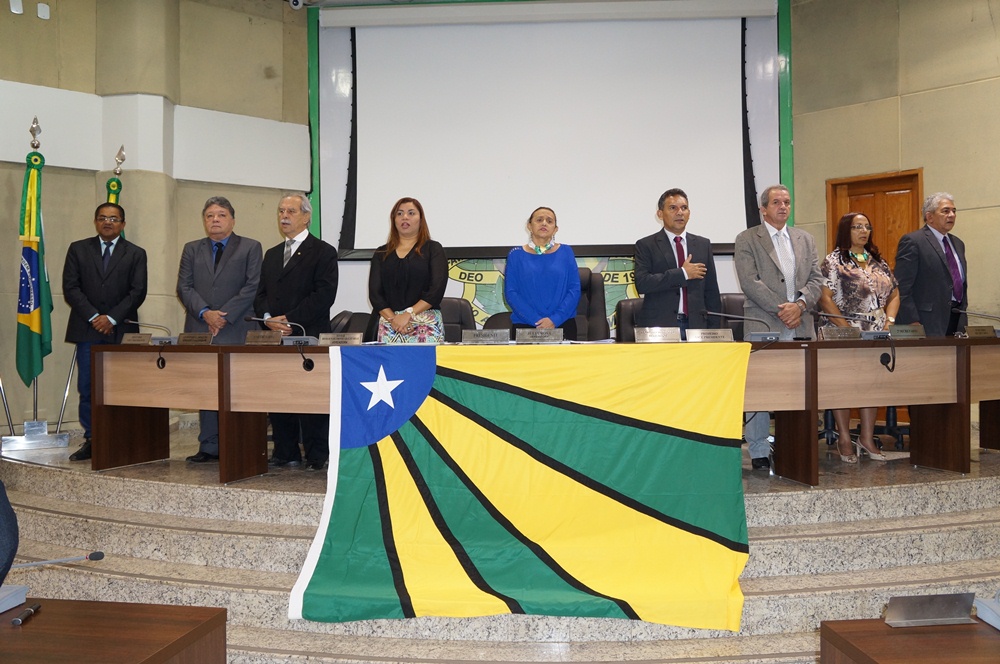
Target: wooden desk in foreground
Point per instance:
(874, 642)
(84, 632)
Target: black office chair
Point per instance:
(591, 312)
(498, 321)
(732, 304)
(625, 312)
(457, 315)
(366, 324)
(339, 322)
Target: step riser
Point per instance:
(768, 614)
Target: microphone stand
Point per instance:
(887, 360)
(157, 341)
(298, 342)
(750, 336)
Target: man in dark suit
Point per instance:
(932, 272)
(298, 284)
(675, 271)
(104, 283)
(778, 271)
(217, 283)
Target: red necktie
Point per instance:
(680, 262)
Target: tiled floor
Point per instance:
(833, 473)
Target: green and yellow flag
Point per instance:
(550, 480)
(34, 300)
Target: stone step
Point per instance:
(270, 547)
(774, 605)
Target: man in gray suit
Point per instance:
(932, 272)
(779, 274)
(216, 283)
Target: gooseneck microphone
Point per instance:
(974, 314)
(298, 342)
(93, 555)
(770, 335)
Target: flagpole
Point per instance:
(34, 304)
(6, 407)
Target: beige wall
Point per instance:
(884, 85)
(188, 51)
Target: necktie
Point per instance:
(219, 248)
(680, 261)
(288, 252)
(956, 274)
(106, 256)
(787, 266)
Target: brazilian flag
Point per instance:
(34, 298)
(572, 480)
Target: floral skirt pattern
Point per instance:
(428, 328)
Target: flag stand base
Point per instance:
(36, 436)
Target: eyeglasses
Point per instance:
(113, 220)
(861, 228)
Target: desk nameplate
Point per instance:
(835, 333)
(340, 338)
(526, 335)
(711, 335)
(486, 337)
(657, 335)
(263, 338)
(137, 339)
(980, 332)
(194, 339)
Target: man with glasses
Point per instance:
(104, 282)
(932, 272)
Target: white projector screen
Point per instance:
(483, 123)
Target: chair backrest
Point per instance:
(625, 312)
(498, 321)
(456, 312)
(732, 303)
(591, 312)
(364, 323)
(339, 322)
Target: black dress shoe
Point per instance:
(203, 457)
(275, 462)
(762, 463)
(83, 453)
(316, 465)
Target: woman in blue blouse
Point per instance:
(542, 281)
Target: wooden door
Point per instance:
(892, 202)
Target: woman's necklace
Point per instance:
(542, 249)
(860, 257)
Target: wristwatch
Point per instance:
(409, 310)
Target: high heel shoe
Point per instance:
(847, 458)
(862, 450)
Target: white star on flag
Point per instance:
(381, 389)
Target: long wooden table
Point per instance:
(938, 378)
(86, 632)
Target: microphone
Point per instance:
(298, 342)
(750, 336)
(974, 314)
(93, 555)
(168, 340)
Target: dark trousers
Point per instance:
(83, 383)
(208, 432)
(314, 431)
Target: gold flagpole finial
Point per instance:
(35, 130)
(119, 160)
